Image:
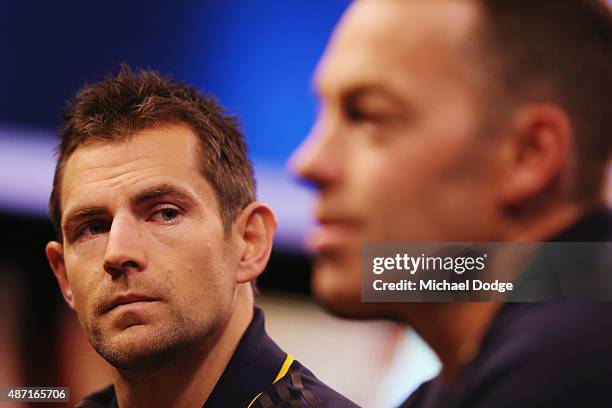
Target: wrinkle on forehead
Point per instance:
(177, 139)
(100, 167)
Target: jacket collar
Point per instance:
(252, 369)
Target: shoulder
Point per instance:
(422, 396)
(300, 388)
(104, 398)
(555, 354)
(544, 355)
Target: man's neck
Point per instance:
(455, 330)
(188, 380)
(543, 226)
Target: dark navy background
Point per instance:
(256, 56)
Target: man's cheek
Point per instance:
(82, 315)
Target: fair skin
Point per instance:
(399, 153)
(160, 288)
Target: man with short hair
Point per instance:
(159, 239)
(472, 121)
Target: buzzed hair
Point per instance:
(120, 105)
(557, 51)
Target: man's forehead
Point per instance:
(165, 150)
(170, 137)
(374, 35)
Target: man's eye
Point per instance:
(355, 114)
(165, 215)
(358, 115)
(94, 228)
(168, 214)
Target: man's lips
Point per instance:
(330, 235)
(126, 299)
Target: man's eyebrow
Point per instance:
(81, 212)
(357, 91)
(162, 190)
(373, 90)
(148, 194)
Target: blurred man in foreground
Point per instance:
(467, 120)
(160, 239)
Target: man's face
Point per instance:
(148, 267)
(397, 152)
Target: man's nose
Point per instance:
(124, 247)
(318, 159)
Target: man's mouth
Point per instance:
(331, 235)
(127, 299)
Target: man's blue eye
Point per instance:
(168, 214)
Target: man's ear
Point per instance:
(55, 255)
(537, 152)
(255, 225)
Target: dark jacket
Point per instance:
(555, 354)
(250, 376)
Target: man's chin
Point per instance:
(140, 347)
(337, 287)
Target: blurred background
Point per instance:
(258, 59)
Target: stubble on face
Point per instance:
(138, 342)
(176, 335)
(187, 274)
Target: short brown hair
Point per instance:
(122, 104)
(558, 51)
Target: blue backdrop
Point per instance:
(256, 56)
